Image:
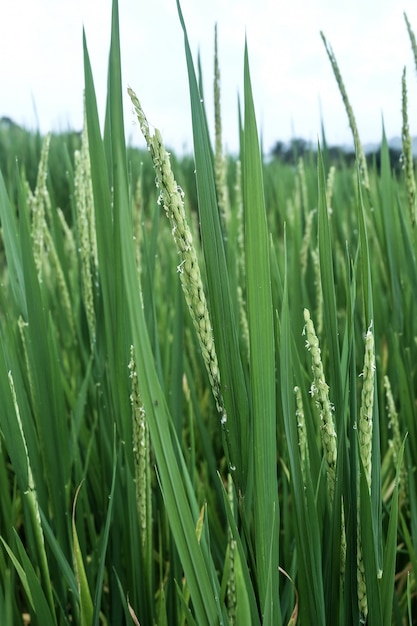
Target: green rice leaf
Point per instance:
(31, 583)
(104, 543)
(220, 303)
(10, 237)
(86, 603)
(262, 364)
(64, 567)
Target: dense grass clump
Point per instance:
(208, 384)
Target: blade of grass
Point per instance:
(104, 542)
(10, 237)
(31, 583)
(64, 567)
(262, 364)
(86, 603)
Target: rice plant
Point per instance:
(208, 383)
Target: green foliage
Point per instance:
(139, 485)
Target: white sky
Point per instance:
(41, 63)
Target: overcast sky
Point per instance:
(41, 64)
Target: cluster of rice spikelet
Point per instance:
(137, 216)
(407, 155)
(395, 442)
(40, 202)
(365, 428)
(141, 450)
(360, 155)
(305, 246)
(240, 262)
(302, 186)
(220, 168)
(329, 188)
(392, 413)
(318, 289)
(412, 38)
(302, 435)
(320, 393)
(45, 255)
(171, 197)
(84, 202)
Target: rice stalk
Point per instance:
(70, 245)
